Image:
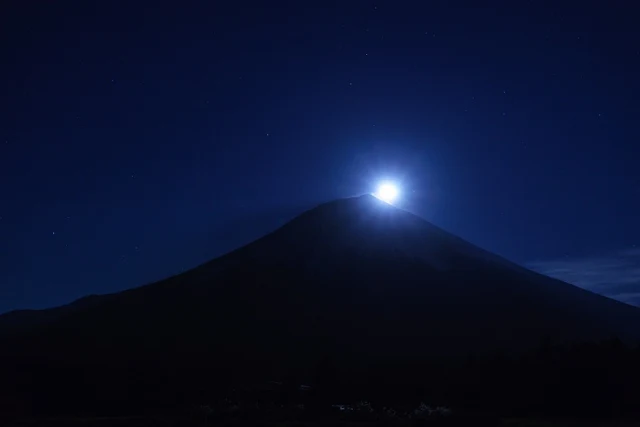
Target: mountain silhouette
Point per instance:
(355, 281)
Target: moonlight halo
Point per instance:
(387, 192)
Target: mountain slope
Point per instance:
(356, 281)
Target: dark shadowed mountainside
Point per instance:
(354, 286)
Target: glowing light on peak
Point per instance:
(387, 192)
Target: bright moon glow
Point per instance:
(387, 192)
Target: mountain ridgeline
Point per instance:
(354, 292)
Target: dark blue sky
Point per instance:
(136, 142)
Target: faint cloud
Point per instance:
(616, 275)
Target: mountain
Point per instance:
(352, 286)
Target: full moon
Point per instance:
(387, 192)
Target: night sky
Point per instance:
(137, 142)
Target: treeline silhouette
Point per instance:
(580, 380)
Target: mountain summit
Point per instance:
(355, 281)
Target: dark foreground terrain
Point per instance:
(151, 421)
(585, 384)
